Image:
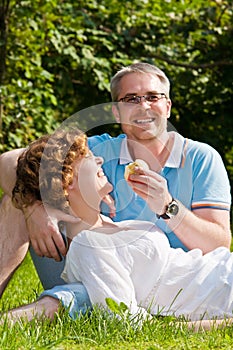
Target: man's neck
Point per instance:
(154, 151)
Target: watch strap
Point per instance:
(163, 216)
(168, 215)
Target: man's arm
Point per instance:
(206, 229)
(8, 163)
(42, 224)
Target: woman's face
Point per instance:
(90, 185)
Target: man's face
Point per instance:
(145, 120)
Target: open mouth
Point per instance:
(144, 121)
(100, 173)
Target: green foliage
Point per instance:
(115, 307)
(60, 57)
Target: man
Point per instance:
(186, 190)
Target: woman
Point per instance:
(129, 261)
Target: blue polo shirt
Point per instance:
(194, 171)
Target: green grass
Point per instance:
(96, 331)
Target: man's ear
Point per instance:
(169, 105)
(115, 111)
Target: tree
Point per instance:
(4, 8)
(60, 56)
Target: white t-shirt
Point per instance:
(137, 266)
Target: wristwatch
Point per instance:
(171, 210)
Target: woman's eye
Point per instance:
(89, 155)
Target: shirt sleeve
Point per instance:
(211, 187)
(103, 273)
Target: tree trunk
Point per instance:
(4, 8)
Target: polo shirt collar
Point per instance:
(175, 159)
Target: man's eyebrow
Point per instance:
(146, 93)
(131, 94)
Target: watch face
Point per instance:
(173, 209)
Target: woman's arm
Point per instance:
(102, 271)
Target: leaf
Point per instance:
(115, 307)
(112, 305)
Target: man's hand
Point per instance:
(42, 225)
(110, 202)
(152, 187)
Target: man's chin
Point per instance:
(146, 135)
(140, 133)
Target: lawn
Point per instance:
(96, 331)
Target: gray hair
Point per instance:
(142, 68)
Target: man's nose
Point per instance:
(145, 103)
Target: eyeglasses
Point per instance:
(137, 99)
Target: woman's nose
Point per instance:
(99, 161)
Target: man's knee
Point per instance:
(14, 240)
(12, 221)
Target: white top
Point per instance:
(175, 157)
(137, 266)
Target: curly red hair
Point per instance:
(44, 170)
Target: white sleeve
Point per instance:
(105, 272)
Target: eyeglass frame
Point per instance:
(162, 95)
